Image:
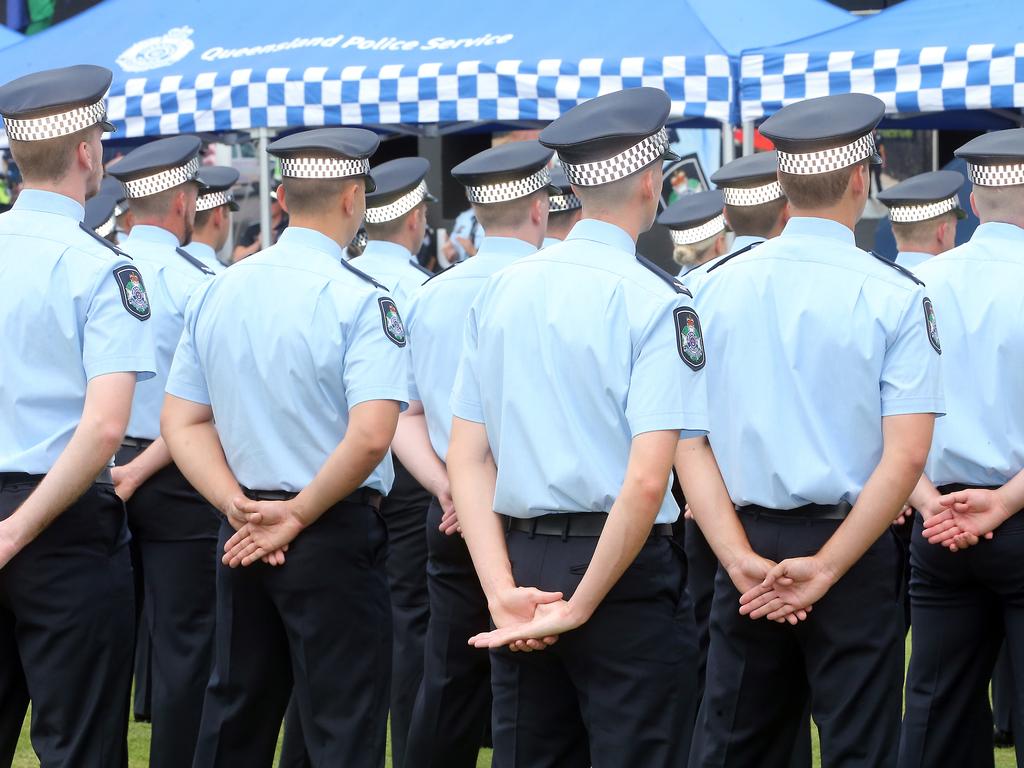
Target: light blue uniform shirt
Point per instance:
(435, 321)
(394, 267)
(463, 227)
(976, 288)
(549, 241)
(65, 321)
(811, 341)
(695, 276)
(281, 346)
(912, 259)
(205, 254)
(170, 281)
(568, 355)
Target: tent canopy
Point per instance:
(191, 65)
(741, 24)
(919, 56)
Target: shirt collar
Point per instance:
(303, 237)
(914, 255)
(385, 249)
(505, 246)
(147, 233)
(812, 225)
(41, 201)
(199, 249)
(549, 241)
(602, 232)
(742, 241)
(998, 230)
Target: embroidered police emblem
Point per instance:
(133, 292)
(392, 321)
(689, 339)
(157, 52)
(932, 324)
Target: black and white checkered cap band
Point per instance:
(212, 200)
(619, 167)
(164, 180)
(996, 175)
(53, 126)
(827, 160)
(906, 214)
(399, 207)
(106, 227)
(561, 203)
(749, 196)
(699, 233)
(323, 167)
(361, 239)
(120, 210)
(504, 191)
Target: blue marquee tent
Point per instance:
(919, 56)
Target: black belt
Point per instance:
(22, 478)
(806, 512)
(955, 487)
(139, 443)
(566, 524)
(365, 496)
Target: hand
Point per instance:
(794, 584)
(687, 513)
(967, 517)
(125, 484)
(903, 515)
(448, 249)
(467, 245)
(549, 621)
(518, 605)
(449, 519)
(270, 526)
(748, 573)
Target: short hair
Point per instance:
(314, 196)
(756, 220)
(693, 254)
(203, 217)
(1000, 203)
(389, 229)
(558, 219)
(154, 206)
(916, 231)
(818, 190)
(49, 159)
(512, 213)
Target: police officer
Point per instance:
(564, 208)
(963, 602)
(563, 438)
(123, 210)
(831, 362)
(100, 218)
(214, 207)
(454, 701)
(924, 211)
(305, 435)
(175, 527)
(76, 321)
(697, 228)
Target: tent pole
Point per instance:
(935, 150)
(261, 154)
(728, 145)
(748, 137)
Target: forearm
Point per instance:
(924, 498)
(709, 500)
(345, 470)
(413, 448)
(197, 452)
(149, 462)
(1012, 494)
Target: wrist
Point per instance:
(831, 569)
(580, 610)
(1009, 505)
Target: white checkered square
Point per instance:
(164, 180)
(212, 200)
(1009, 175)
(323, 167)
(907, 214)
(505, 191)
(398, 208)
(698, 233)
(827, 160)
(562, 203)
(746, 197)
(622, 165)
(54, 126)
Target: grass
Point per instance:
(138, 748)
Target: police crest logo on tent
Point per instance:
(157, 52)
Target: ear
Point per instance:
(85, 158)
(974, 205)
(181, 201)
(349, 196)
(859, 179)
(220, 216)
(725, 214)
(785, 214)
(281, 197)
(651, 184)
(539, 210)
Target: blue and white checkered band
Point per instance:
(212, 200)
(54, 126)
(400, 207)
(748, 196)
(560, 203)
(699, 233)
(630, 161)
(996, 175)
(906, 214)
(106, 227)
(827, 160)
(162, 181)
(323, 167)
(504, 191)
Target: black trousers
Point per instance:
(454, 701)
(701, 567)
(66, 624)
(617, 691)
(846, 658)
(319, 625)
(964, 603)
(175, 531)
(1002, 692)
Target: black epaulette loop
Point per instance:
(421, 268)
(194, 261)
(103, 241)
(902, 270)
(733, 255)
(363, 275)
(673, 283)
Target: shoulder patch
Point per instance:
(103, 241)
(932, 325)
(359, 273)
(417, 265)
(394, 329)
(194, 261)
(133, 292)
(733, 255)
(689, 338)
(673, 283)
(902, 270)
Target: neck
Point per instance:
(340, 229)
(404, 242)
(932, 249)
(206, 238)
(1017, 221)
(532, 235)
(626, 218)
(175, 227)
(73, 188)
(844, 213)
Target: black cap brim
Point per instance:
(670, 156)
(553, 190)
(232, 205)
(429, 198)
(960, 213)
(876, 159)
(107, 126)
